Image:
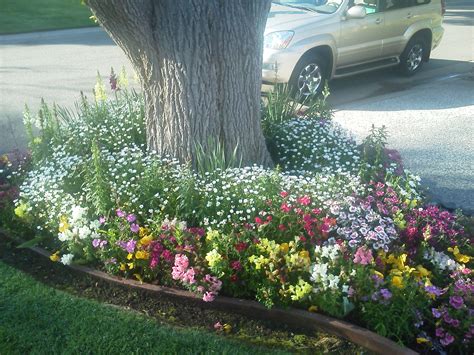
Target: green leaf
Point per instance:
(31, 243)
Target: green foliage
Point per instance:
(281, 106)
(98, 181)
(212, 157)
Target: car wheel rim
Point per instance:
(309, 80)
(415, 57)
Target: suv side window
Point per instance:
(371, 6)
(401, 4)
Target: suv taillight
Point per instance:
(443, 7)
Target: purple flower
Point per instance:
(436, 313)
(456, 301)
(455, 323)
(95, 243)
(131, 218)
(102, 220)
(120, 213)
(127, 246)
(134, 228)
(447, 318)
(434, 290)
(448, 339)
(386, 294)
(439, 332)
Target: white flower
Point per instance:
(66, 259)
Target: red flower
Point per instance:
(240, 247)
(283, 194)
(258, 220)
(234, 278)
(285, 208)
(282, 227)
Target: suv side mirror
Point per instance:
(356, 12)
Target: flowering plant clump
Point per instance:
(338, 228)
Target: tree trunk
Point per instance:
(199, 63)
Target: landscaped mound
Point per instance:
(342, 229)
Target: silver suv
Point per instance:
(310, 41)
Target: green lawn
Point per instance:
(35, 318)
(35, 15)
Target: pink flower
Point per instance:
(285, 208)
(188, 276)
(134, 228)
(305, 200)
(363, 256)
(258, 220)
(218, 326)
(283, 194)
(208, 297)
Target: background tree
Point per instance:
(199, 63)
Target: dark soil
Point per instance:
(176, 312)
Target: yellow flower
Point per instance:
(422, 340)
(227, 328)
(313, 309)
(300, 290)
(21, 210)
(129, 256)
(63, 224)
(422, 271)
(211, 235)
(304, 254)
(458, 256)
(138, 277)
(55, 257)
(397, 281)
(284, 247)
(143, 231)
(141, 254)
(130, 265)
(122, 267)
(379, 274)
(213, 258)
(146, 240)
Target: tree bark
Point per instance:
(199, 63)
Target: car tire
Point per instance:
(413, 56)
(309, 77)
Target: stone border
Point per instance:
(252, 309)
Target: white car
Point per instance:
(310, 41)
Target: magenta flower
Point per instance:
(236, 265)
(102, 220)
(131, 218)
(456, 301)
(439, 332)
(120, 213)
(134, 228)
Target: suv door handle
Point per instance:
(378, 21)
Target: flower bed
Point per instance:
(341, 230)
